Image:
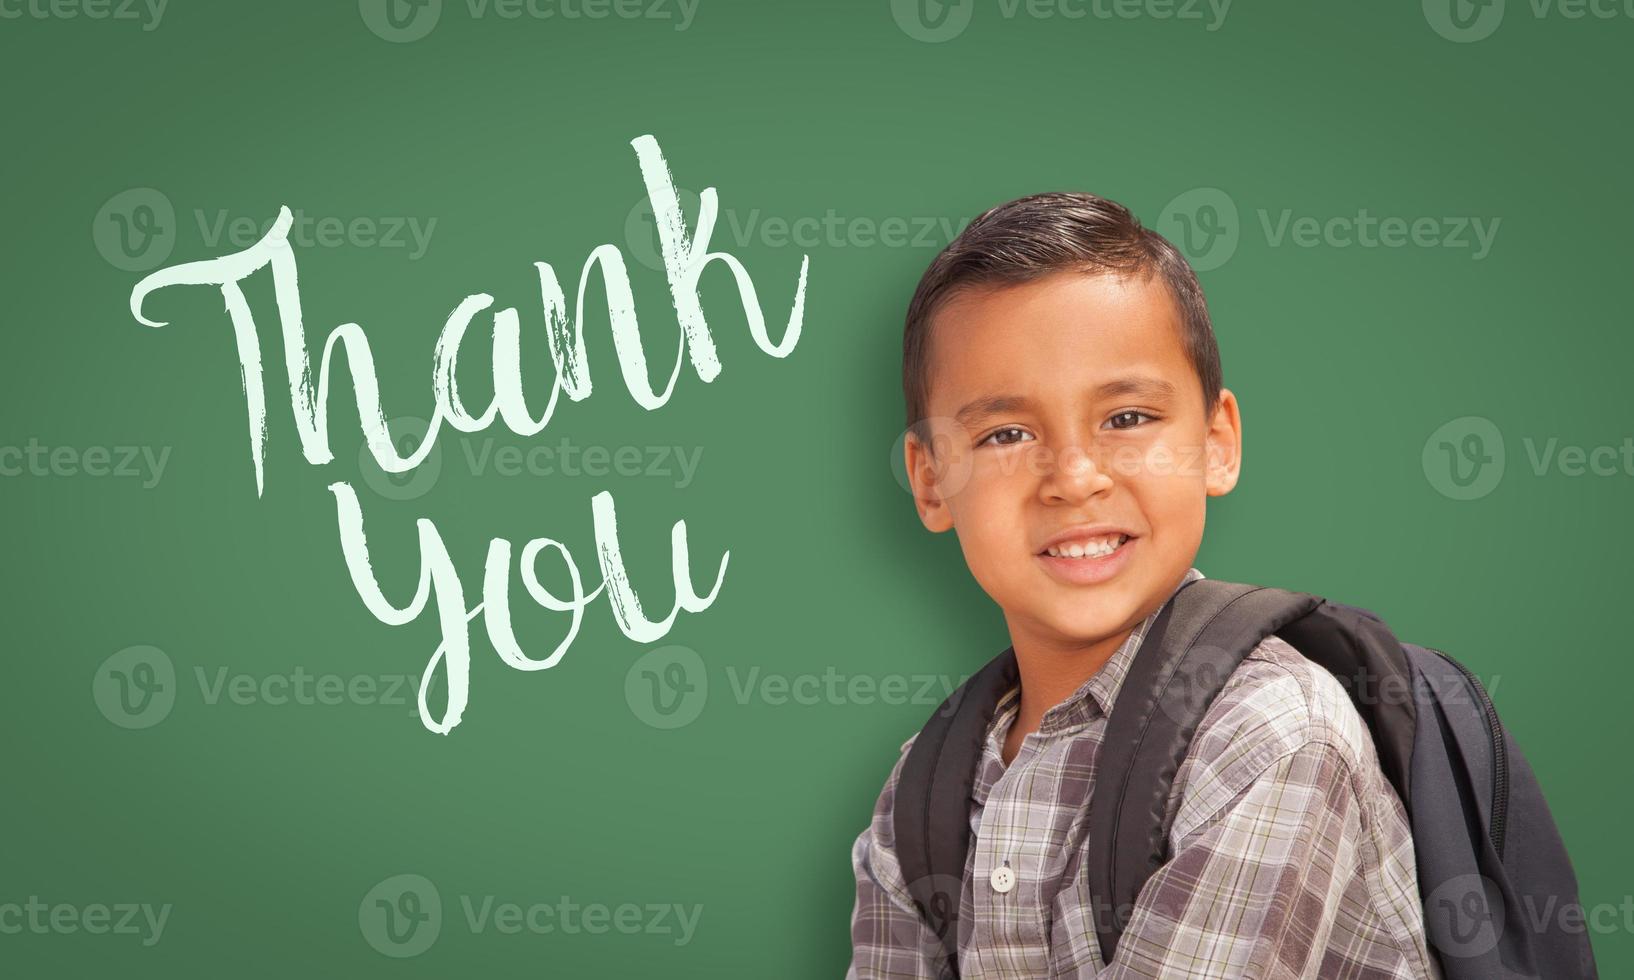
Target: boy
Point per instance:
(1067, 419)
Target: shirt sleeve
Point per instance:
(1254, 891)
(888, 938)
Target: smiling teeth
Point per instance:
(1093, 548)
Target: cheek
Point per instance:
(988, 513)
(1175, 508)
(988, 483)
(1168, 483)
(1162, 468)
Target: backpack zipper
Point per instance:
(1500, 755)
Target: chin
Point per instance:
(1080, 626)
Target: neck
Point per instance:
(1051, 672)
(1049, 675)
(1052, 669)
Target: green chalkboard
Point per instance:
(1412, 222)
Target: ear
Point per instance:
(923, 475)
(1225, 446)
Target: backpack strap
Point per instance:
(1190, 651)
(931, 815)
(1374, 668)
(1201, 635)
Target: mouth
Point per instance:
(1086, 559)
(1095, 547)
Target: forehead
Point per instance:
(1063, 334)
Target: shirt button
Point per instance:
(1002, 879)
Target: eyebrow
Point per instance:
(990, 405)
(1156, 389)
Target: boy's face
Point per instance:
(1073, 453)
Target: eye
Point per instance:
(1129, 419)
(1007, 436)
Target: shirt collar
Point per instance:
(1095, 696)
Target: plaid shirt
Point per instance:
(1290, 854)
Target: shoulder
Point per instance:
(885, 804)
(1276, 703)
(873, 853)
(1278, 697)
(881, 831)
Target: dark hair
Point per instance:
(1032, 237)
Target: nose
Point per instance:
(1072, 476)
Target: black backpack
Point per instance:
(1500, 897)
